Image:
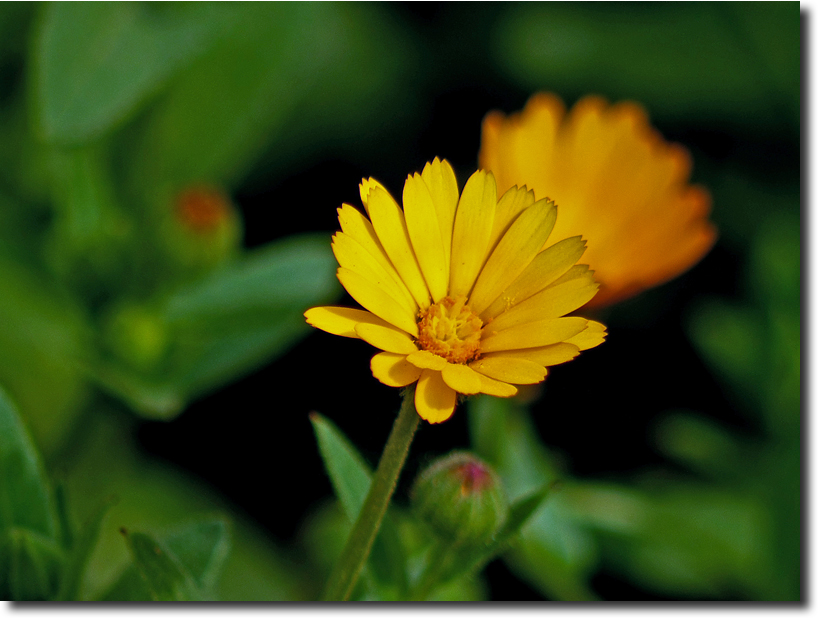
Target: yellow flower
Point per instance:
(461, 295)
(616, 181)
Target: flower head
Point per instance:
(616, 181)
(462, 293)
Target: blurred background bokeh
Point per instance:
(169, 178)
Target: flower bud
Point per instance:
(461, 498)
(137, 335)
(202, 228)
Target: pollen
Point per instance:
(451, 330)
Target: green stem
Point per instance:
(359, 543)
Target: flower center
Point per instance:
(450, 330)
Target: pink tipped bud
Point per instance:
(461, 498)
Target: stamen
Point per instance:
(450, 330)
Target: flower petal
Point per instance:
(355, 225)
(552, 354)
(352, 255)
(533, 334)
(511, 204)
(393, 370)
(471, 232)
(443, 187)
(426, 236)
(461, 378)
(510, 370)
(552, 302)
(518, 247)
(490, 386)
(546, 267)
(593, 335)
(391, 228)
(522, 147)
(426, 360)
(364, 189)
(373, 298)
(386, 337)
(340, 320)
(434, 399)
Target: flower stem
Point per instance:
(359, 543)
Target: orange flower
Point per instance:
(617, 182)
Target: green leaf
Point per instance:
(182, 565)
(164, 577)
(30, 566)
(89, 238)
(351, 478)
(290, 274)
(700, 541)
(732, 341)
(277, 83)
(97, 62)
(229, 322)
(202, 548)
(43, 334)
(155, 497)
(25, 498)
(129, 587)
(348, 472)
(79, 554)
(682, 60)
(702, 445)
(519, 513)
(556, 553)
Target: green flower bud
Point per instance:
(201, 228)
(461, 498)
(137, 335)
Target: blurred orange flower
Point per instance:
(614, 179)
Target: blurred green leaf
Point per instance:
(202, 548)
(184, 565)
(351, 478)
(43, 336)
(287, 274)
(555, 554)
(153, 496)
(701, 444)
(129, 587)
(228, 322)
(165, 578)
(25, 498)
(701, 541)
(30, 565)
(218, 115)
(97, 62)
(79, 553)
(681, 60)
(90, 233)
(731, 338)
(287, 78)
